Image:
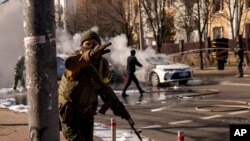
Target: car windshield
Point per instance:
(159, 60)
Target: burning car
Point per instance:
(159, 69)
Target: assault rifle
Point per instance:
(111, 101)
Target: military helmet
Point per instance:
(90, 35)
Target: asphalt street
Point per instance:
(203, 110)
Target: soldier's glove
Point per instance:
(119, 110)
(99, 50)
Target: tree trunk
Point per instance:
(201, 55)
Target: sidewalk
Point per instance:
(228, 70)
(14, 126)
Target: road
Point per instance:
(202, 117)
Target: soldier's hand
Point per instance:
(99, 50)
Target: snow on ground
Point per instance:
(100, 130)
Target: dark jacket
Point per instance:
(131, 63)
(240, 53)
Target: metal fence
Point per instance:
(172, 48)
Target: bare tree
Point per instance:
(123, 14)
(234, 15)
(159, 21)
(111, 17)
(202, 13)
(72, 21)
(185, 20)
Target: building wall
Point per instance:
(221, 19)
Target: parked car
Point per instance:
(162, 70)
(59, 67)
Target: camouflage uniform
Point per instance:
(78, 95)
(19, 72)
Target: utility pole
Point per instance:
(58, 12)
(140, 26)
(40, 62)
(65, 12)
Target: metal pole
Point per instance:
(113, 129)
(65, 16)
(180, 136)
(140, 26)
(40, 62)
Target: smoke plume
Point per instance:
(11, 39)
(12, 35)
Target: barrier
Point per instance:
(113, 129)
(180, 136)
(220, 52)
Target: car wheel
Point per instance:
(154, 79)
(183, 82)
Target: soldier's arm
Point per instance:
(82, 58)
(76, 62)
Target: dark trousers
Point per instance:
(131, 77)
(80, 127)
(240, 67)
(19, 78)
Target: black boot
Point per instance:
(141, 92)
(124, 94)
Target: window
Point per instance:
(217, 5)
(247, 3)
(247, 30)
(170, 3)
(217, 32)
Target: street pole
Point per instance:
(40, 62)
(140, 26)
(65, 16)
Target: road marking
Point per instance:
(211, 117)
(152, 126)
(159, 109)
(234, 84)
(180, 122)
(238, 112)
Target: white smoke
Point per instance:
(120, 51)
(11, 39)
(67, 44)
(12, 35)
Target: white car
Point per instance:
(162, 70)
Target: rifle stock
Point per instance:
(111, 101)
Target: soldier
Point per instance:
(240, 52)
(131, 63)
(19, 73)
(78, 93)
